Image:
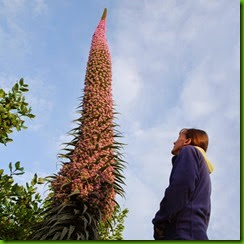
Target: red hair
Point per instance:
(198, 137)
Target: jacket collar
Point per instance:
(207, 161)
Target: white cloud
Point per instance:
(40, 7)
(15, 38)
(40, 97)
(198, 97)
(126, 83)
(12, 8)
(141, 208)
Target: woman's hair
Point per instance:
(198, 137)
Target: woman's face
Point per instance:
(180, 142)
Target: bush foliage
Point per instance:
(13, 108)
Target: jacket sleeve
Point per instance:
(183, 179)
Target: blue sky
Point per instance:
(175, 65)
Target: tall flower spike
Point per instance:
(85, 188)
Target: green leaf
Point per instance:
(24, 89)
(34, 180)
(21, 81)
(17, 165)
(2, 93)
(41, 180)
(16, 87)
(10, 180)
(10, 167)
(9, 139)
(31, 116)
(20, 173)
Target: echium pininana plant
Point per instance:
(85, 188)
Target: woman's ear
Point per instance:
(187, 142)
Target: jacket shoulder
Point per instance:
(188, 149)
(187, 153)
(192, 152)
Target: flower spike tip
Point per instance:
(104, 14)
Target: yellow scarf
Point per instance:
(209, 164)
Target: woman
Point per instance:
(185, 209)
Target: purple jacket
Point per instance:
(185, 209)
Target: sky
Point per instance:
(176, 64)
